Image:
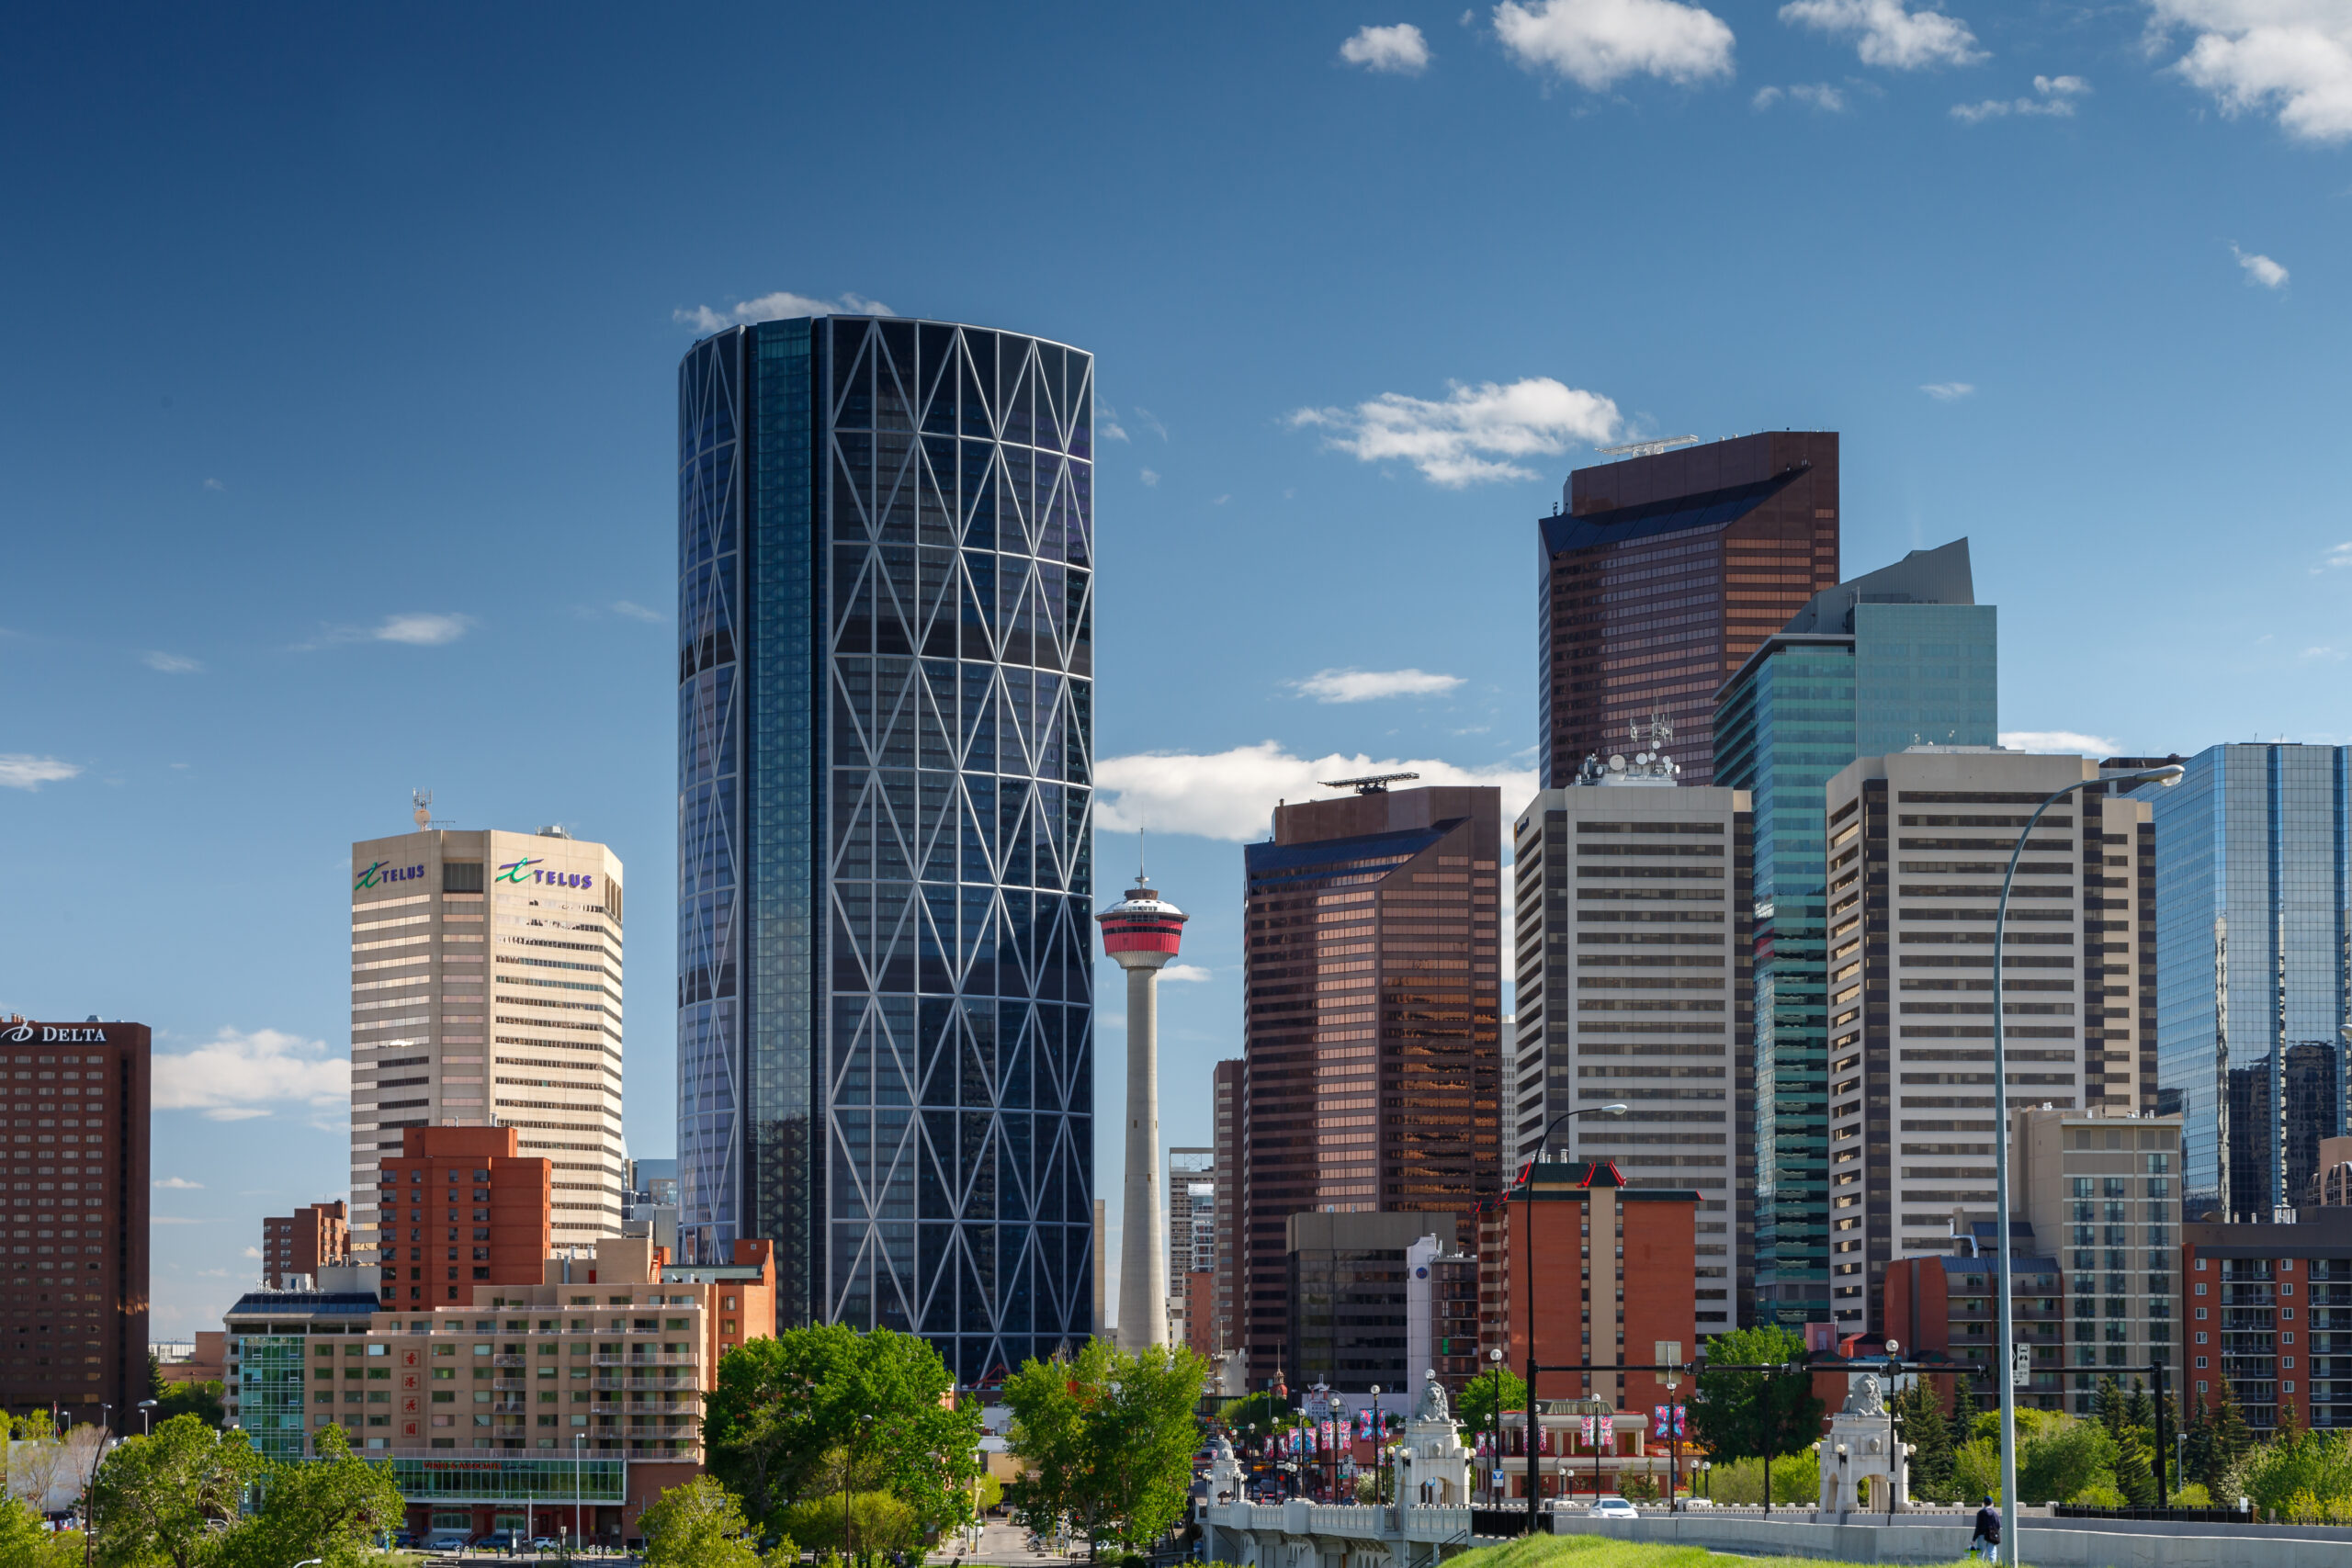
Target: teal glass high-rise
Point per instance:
(1900, 657)
(2253, 973)
(885, 772)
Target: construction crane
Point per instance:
(1371, 784)
(1647, 448)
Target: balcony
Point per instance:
(652, 1359)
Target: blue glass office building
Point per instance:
(1898, 657)
(2253, 970)
(885, 761)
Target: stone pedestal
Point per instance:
(1432, 1467)
(1862, 1445)
(1225, 1475)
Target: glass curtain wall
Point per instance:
(886, 756)
(2253, 970)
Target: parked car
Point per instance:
(448, 1541)
(545, 1543)
(1609, 1505)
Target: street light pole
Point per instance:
(1495, 1475)
(1527, 1220)
(2168, 774)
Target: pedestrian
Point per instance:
(1988, 1530)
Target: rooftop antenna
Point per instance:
(1371, 784)
(1143, 879)
(1647, 448)
(422, 800)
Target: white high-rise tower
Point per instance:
(1141, 934)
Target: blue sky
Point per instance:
(336, 405)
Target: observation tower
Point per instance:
(1141, 933)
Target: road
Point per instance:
(1002, 1541)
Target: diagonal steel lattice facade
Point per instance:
(884, 770)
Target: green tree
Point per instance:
(332, 1507)
(1260, 1410)
(2197, 1453)
(1111, 1438)
(1963, 1403)
(160, 1499)
(1755, 1415)
(2139, 1408)
(1479, 1397)
(25, 1542)
(2106, 1404)
(867, 1522)
(2231, 1440)
(698, 1525)
(2136, 1475)
(1920, 1418)
(2315, 1467)
(2063, 1458)
(201, 1399)
(784, 1405)
(2289, 1422)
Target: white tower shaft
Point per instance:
(1143, 1247)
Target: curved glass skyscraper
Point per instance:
(885, 768)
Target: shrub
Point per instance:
(2192, 1496)
(2099, 1493)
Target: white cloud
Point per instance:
(174, 664)
(1150, 420)
(2260, 269)
(1889, 34)
(2321, 653)
(214, 485)
(239, 1076)
(1151, 476)
(2290, 58)
(1400, 49)
(638, 612)
(1231, 795)
(1186, 973)
(1467, 438)
(1220, 499)
(2067, 741)
(1828, 100)
(1946, 391)
(1597, 42)
(2055, 97)
(1106, 422)
(781, 306)
(19, 771)
(1367, 686)
(249, 1252)
(421, 630)
(180, 1184)
(2340, 556)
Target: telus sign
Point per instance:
(379, 873)
(531, 869)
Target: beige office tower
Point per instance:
(2099, 1190)
(1918, 844)
(486, 990)
(1634, 986)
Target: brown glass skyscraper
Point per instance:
(1373, 1032)
(1663, 574)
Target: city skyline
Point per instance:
(253, 598)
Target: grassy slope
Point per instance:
(1598, 1552)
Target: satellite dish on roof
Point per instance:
(422, 800)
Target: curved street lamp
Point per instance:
(1527, 1219)
(2170, 773)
